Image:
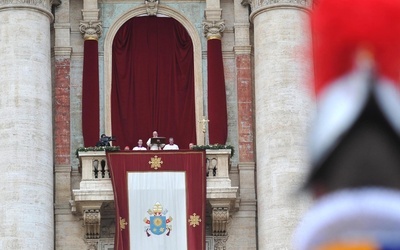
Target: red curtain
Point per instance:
(90, 94)
(153, 82)
(190, 162)
(217, 110)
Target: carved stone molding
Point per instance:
(262, 6)
(220, 217)
(43, 6)
(255, 4)
(92, 244)
(91, 221)
(151, 7)
(39, 3)
(300, 2)
(213, 29)
(46, 4)
(220, 242)
(91, 30)
(246, 2)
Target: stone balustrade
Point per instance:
(95, 185)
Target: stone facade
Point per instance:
(265, 66)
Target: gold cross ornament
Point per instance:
(155, 162)
(194, 220)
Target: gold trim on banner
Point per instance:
(122, 223)
(194, 220)
(155, 162)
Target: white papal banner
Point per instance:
(157, 210)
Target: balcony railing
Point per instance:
(95, 189)
(96, 175)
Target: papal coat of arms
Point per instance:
(158, 223)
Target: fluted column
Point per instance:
(283, 106)
(26, 188)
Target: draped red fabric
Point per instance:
(152, 82)
(217, 110)
(190, 162)
(90, 93)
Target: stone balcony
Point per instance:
(95, 190)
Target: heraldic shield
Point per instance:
(158, 224)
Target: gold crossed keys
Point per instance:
(155, 162)
(194, 220)
(122, 223)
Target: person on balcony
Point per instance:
(155, 144)
(139, 146)
(171, 145)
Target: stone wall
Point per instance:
(267, 86)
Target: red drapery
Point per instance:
(217, 110)
(191, 162)
(153, 82)
(90, 94)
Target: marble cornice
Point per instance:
(261, 6)
(40, 5)
(259, 3)
(46, 4)
(62, 52)
(258, 6)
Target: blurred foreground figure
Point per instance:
(355, 142)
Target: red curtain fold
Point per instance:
(191, 162)
(90, 94)
(153, 82)
(217, 109)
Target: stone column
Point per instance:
(282, 106)
(26, 131)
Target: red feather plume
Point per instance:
(343, 27)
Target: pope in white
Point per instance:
(154, 146)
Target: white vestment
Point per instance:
(171, 147)
(139, 148)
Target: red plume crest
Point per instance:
(343, 27)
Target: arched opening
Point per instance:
(168, 119)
